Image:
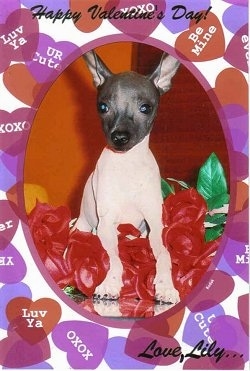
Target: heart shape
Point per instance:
(181, 23)
(243, 311)
(203, 41)
(9, 292)
(239, 42)
(236, 250)
(15, 78)
(115, 356)
(17, 353)
(235, 340)
(8, 222)
(86, 23)
(142, 344)
(50, 58)
(235, 17)
(16, 44)
(12, 267)
(228, 78)
(84, 342)
(217, 286)
(15, 127)
(139, 28)
(33, 321)
(197, 325)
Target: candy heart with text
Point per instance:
(203, 41)
(33, 321)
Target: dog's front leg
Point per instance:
(111, 286)
(164, 288)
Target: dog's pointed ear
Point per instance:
(165, 71)
(97, 68)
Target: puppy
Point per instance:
(125, 186)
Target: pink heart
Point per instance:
(240, 43)
(139, 28)
(17, 353)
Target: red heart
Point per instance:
(231, 88)
(21, 84)
(203, 41)
(33, 321)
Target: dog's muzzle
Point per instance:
(120, 138)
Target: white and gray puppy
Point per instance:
(125, 186)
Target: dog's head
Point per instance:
(127, 102)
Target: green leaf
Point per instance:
(211, 178)
(216, 218)
(214, 232)
(166, 188)
(182, 184)
(218, 201)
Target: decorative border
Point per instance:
(213, 44)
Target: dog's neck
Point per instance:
(140, 147)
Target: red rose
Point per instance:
(138, 264)
(87, 261)
(186, 206)
(184, 239)
(49, 227)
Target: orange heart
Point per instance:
(33, 321)
(20, 83)
(86, 23)
(203, 41)
(231, 88)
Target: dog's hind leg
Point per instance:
(87, 220)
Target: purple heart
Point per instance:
(197, 325)
(17, 353)
(12, 266)
(7, 179)
(236, 255)
(234, 18)
(51, 58)
(10, 162)
(7, 8)
(240, 43)
(238, 129)
(8, 222)
(235, 340)
(14, 129)
(116, 358)
(51, 5)
(9, 292)
(16, 43)
(84, 342)
(139, 27)
(217, 286)
(177, 17)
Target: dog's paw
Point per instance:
(165, 294)
(109, 289)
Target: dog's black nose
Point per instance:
(119, 138)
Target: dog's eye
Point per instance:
(145, 108)
(102, 107)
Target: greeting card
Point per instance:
(124, 184)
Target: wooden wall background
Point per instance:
(66, 137)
